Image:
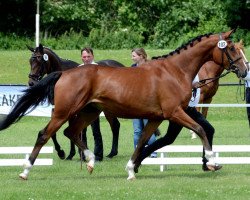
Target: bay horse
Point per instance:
(157, 90)
(209, 75)
(45, 61)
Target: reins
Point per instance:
(203, 81)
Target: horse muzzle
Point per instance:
(240, 73)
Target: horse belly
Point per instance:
(126, 110)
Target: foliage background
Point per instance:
(116, 24)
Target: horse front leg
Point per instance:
(172, 133)
(205, 109)
(148, 131)
(115, 127)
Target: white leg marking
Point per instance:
(90, 158)
(130, 170)
(210, 156)
(27, 166)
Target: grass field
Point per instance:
(65, 179)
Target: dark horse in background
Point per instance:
(157, 90)
(45, 61)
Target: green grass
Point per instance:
(65, 179)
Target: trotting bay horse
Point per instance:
(209, 75)
(45, 61)
(157, 90)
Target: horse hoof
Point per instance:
(136, 169)
(69, 157)
(90, 168)
(23, 176)
(111, 155)
(213, 168)
(61, 154)
(131, 178)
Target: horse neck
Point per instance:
(191, 59)
(68, 64)
(54, 62)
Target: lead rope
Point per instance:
(81, 152)
(239, 91)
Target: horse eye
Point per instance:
(232, 48)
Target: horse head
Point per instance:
(38, 63)
(226, 54)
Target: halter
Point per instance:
(38, 77)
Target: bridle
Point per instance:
(40, 74)
(222, 44)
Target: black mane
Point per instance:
(184, 46)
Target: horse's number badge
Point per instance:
(222, 44)
(45, 57)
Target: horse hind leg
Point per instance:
(73, 149)
(115, 127)
(81, 121)
(182, 118)
(43, 137)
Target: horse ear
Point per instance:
(241, 42)
(40, 48)
(30, 48)
(231, 32)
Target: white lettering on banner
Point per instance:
(9, 95)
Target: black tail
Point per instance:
(31, 98)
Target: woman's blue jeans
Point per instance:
(138, 125)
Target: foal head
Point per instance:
(226, 54)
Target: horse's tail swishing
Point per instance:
(31, 99)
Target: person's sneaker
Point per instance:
(206, 169)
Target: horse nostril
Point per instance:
(31, 83)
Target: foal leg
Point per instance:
(148, 131)
(115, 127)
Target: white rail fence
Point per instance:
(25, 151)
(222, 155)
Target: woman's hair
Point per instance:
(140, 52)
